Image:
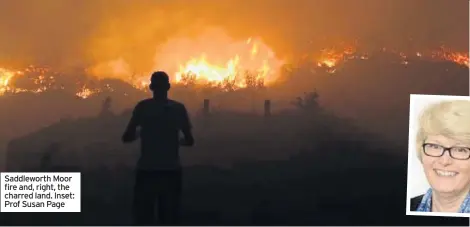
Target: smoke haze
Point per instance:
(64, 33)
(266, 153)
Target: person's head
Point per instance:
(443, 146)
(159, 82)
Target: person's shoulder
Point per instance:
(414, 203)
(176, 104)
(142, 105)
(144, 102)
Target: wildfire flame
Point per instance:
(211, 59)
(199, 70)
(333, 57)
(221, 62)
(448, 55)
(42, 78)
(5, 78)
(85, 92)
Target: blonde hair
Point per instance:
(446, 118)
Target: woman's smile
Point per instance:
(445, 173)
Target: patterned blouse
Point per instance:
(425, 205)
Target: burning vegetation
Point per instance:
(221, 63)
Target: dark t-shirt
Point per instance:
(160, 122)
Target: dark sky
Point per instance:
(67, 32)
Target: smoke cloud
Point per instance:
(65, 33)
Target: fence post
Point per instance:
(206, 109)
(206, 113)
(267, 108)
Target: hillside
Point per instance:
(295, 168)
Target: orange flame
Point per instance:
(5, 80)
(221, 62)
(212, 59)
(446, 54)
(85, 92)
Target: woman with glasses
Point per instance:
(443, 147)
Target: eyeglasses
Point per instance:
(435, 150)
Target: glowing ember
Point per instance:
(42, 78)
(331, 58)
(85, 92)
(448, 55)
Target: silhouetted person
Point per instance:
(158, 174)
(106, 107)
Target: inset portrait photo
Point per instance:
(438, 182)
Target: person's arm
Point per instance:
(188, 139)
(130, 135)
